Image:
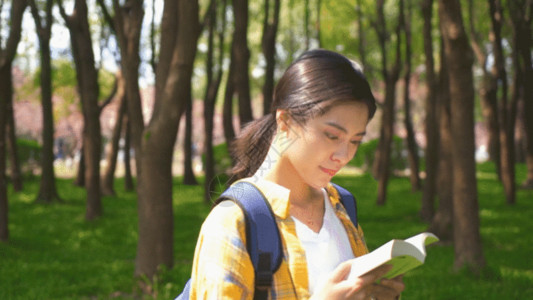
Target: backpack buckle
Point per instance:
(264, 275)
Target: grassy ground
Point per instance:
(53, 253)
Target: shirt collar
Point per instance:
(278, 195)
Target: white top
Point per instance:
(324, 250)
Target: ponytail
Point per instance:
(251, 146)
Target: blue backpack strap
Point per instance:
(348, 201)
(263, 240)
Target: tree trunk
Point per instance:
(432, 121)
(11, 138)
(523, 45)
(241, 55)
(128, 177)
(442, 223)
(468, 250)
(213, 85)
(189, 178)
(307, 12)
(80, 175)
(108, 178)
(88, 88)
(506, 109)
(270, 29)
(390, 75)
(4, 223)
(47, 189)
(155, 245)
(412, 146)
(227, 113)
(318, 25)
(361, 38)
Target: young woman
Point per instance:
(319, 114)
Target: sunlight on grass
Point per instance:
(53, 253)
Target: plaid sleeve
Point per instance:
(222, 268)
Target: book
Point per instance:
(404, 255)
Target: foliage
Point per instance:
(365, 155)
(53, 253)
(28, 151)
(221, 157)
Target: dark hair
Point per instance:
(310, 86)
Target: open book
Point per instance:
(404, 255)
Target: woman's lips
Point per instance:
(330, 172)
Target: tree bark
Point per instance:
(506, 109)
(155, 245)
(89, 90)
(268, 45)
(241, 55)
(189, 178)
(390, 76)
(412, 146)
(11, 138)
(227, 112)
(468, 250)
(108, 178)
(213, 85)
(128, 177)
(523, 45)
(47, 189)
(442, 222)
(432, 122)
(7, 54)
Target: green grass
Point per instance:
(53, 253)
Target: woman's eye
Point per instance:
(356, 142)
(330, 136)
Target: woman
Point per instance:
(319, 114)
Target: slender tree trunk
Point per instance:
(390, 75)
(155, 245)
(361, 37)
(432, 121)
(80, 175)
(241, 55)
(4, 222)
(318, 25)
(7, 54)
(442, 223)
(108, 178)
(307, 12)
(89, 90)
(128, 177)
(412, 146)
(47, 189)
(506, 116)
(189, 178)
(468, 250)
(227, 113)
(270, 29)
(523, 44)
(11, 138)
(213, 85)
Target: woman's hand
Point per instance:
(364, 287)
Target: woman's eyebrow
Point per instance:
(339, 127)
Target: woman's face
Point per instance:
(325, 144)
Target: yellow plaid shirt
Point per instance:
(222, 268)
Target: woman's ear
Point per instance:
(282, 120)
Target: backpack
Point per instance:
(263, 241)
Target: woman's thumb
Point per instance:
(341, 272)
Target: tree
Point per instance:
(241, 56)
(212, 87)
(459, 58)
(7, 54)
(521, 11)
(188, 177)
(88, 88)
(268, 45)
(431, 122)
(442, 222)
(412, 147)
(390, 74)
(111, 157)
(47, 189)
(180, 31)
(506, 108)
